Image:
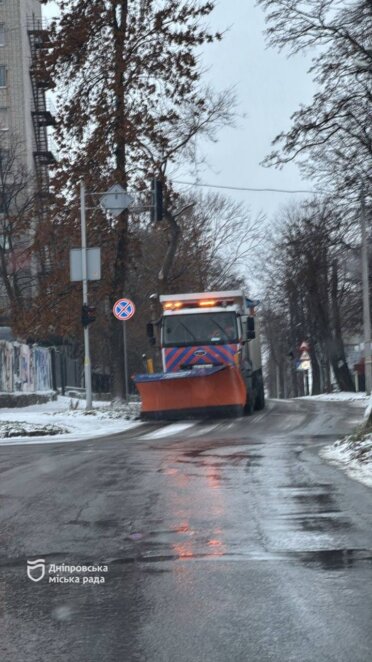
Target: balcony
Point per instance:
(46, 152)
(38, 30)
(44, 115)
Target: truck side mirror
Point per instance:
(251, 333)
(150, 333)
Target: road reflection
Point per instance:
(197, 507)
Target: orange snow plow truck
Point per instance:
(211, 358)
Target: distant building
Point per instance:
(25, 113)
(24, 110)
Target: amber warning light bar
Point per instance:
(171, 305)
(207, 303)
(204, 303)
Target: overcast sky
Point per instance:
(269, 88)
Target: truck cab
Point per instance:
(213, 329)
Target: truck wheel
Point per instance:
(249, 406)
(260, 399)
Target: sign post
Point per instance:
(123, 310)
(115, 200)
(303, 364)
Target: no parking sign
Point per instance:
(124, 309)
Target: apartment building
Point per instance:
(24, 111)
(16, 97)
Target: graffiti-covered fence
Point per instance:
(24, 368)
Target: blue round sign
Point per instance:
(124, 309)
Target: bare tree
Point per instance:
(17, 227)
(330, 137)
(312, 290)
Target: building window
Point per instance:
(2, 75)
(2, 33)
(4, 123)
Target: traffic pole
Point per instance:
(124, 309)
(125, 362)
(84, 265)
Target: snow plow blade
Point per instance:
(204, 392)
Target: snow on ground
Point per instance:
(359, 399)
(354, 454)
(64, 419)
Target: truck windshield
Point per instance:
(199, 329)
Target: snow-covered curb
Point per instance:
(354, 455)
(65, 420)
(9, 430)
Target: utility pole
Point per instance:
(84, 265)
(366, 304)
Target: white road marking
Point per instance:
(168, 430)
(203, 430)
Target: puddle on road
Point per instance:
(326, 522)
(314, 498)
(336, 559)
(311, 508)
(202, 457)
(206, 459)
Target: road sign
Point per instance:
(116, 200)
(93, 264)
(124, 309)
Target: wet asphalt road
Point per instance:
(229, 541)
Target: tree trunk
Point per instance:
(118, 290)
(117, 359)
(337, 350)
(316, 386)
(339, 365)
(122, 250)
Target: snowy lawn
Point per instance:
(65, 420)
(354, 454)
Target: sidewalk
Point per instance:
(65, 419)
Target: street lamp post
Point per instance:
(84, 266)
